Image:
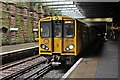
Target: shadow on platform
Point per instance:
(94, 49)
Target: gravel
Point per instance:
(54, 74)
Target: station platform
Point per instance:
(9, 48)
(10, 53)
(104, 65)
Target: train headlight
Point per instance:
(71, 46)
(44, 47)
(67, 49)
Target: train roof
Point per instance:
(56, 16)
(49, 17)
(81, 22)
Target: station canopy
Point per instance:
(89, 11)
(67, 8)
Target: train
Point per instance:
(62, 38)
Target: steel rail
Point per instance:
(38, 72)
(3, 67)
(14, 71)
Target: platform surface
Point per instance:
(8, 48)
(103, 66)
(108, 63)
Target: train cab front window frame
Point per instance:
(69, 29)
(45, 29)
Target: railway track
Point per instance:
(36, 73)
(19, 68)
(5, 66)
(30, 68)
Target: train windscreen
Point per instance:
(69, 29)
(57, 28)
(45, 28)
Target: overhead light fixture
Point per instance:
(58, 3)
(96, 19)
(67, 8)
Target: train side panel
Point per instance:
(78, 37)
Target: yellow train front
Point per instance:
(59, 38)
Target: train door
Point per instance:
(57, 36)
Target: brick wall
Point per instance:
(11, 8)
(15, 15)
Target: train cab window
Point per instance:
(69, 29)
(57, 28)
(45, 28)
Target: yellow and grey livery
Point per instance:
(62, 35)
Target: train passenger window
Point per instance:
(69, 29)
(57, 28)
(45, 29)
